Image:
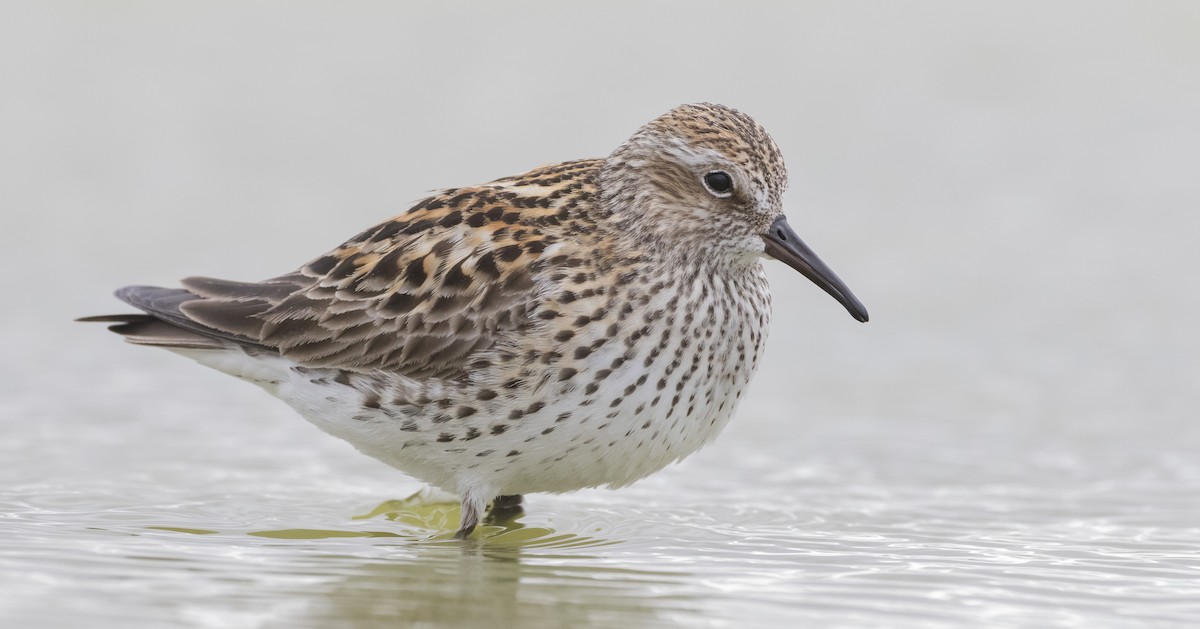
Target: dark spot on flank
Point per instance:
(417, 227)
(457, 199)
(342, 378)
(424, 203)
(513, 453)
(388, 231)
(499, 429)
(465, 411)
(535, 407)
(509, 253)
(399, 303)
(582, 352)
(517, 414)
(486, 394)
(547, 314)
(445, 437)
(566, 374)
(548, 430)
(495, 213)
(415, 273)
(477, 220)
(455, 278)
(343, 269)
(591, 388)
(472, 433)
(565, 335)
(486, 264)
(451, 219)
(321, 266)
(485, 453)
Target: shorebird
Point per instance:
(582, 324)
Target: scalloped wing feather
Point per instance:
(418, 294)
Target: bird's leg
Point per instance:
(503, 507)
(472, 509)
(470, 517)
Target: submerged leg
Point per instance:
(472, 509)
(470, 517)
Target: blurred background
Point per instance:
(1011, 188)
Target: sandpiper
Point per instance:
(582, 324)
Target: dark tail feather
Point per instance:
(163, 325)
(144, 329)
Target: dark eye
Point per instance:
(719, 182)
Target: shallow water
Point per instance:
(1010, 442)
(157, 507)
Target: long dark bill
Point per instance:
(784, 245)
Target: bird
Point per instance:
(583, 324)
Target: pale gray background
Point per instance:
(1011, 188)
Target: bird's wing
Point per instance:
(418, 294)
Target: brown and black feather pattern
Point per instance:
(417, 295)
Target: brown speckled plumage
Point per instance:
(581, 324)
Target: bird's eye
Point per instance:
(719, 183)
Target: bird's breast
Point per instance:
(641, 374)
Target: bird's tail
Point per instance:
(144, 329)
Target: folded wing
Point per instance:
(419, 294)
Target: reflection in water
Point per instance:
(487, 580)
(507, 574)
(473, 584)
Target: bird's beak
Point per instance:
(784, 245)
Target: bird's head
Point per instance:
(707, 180)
